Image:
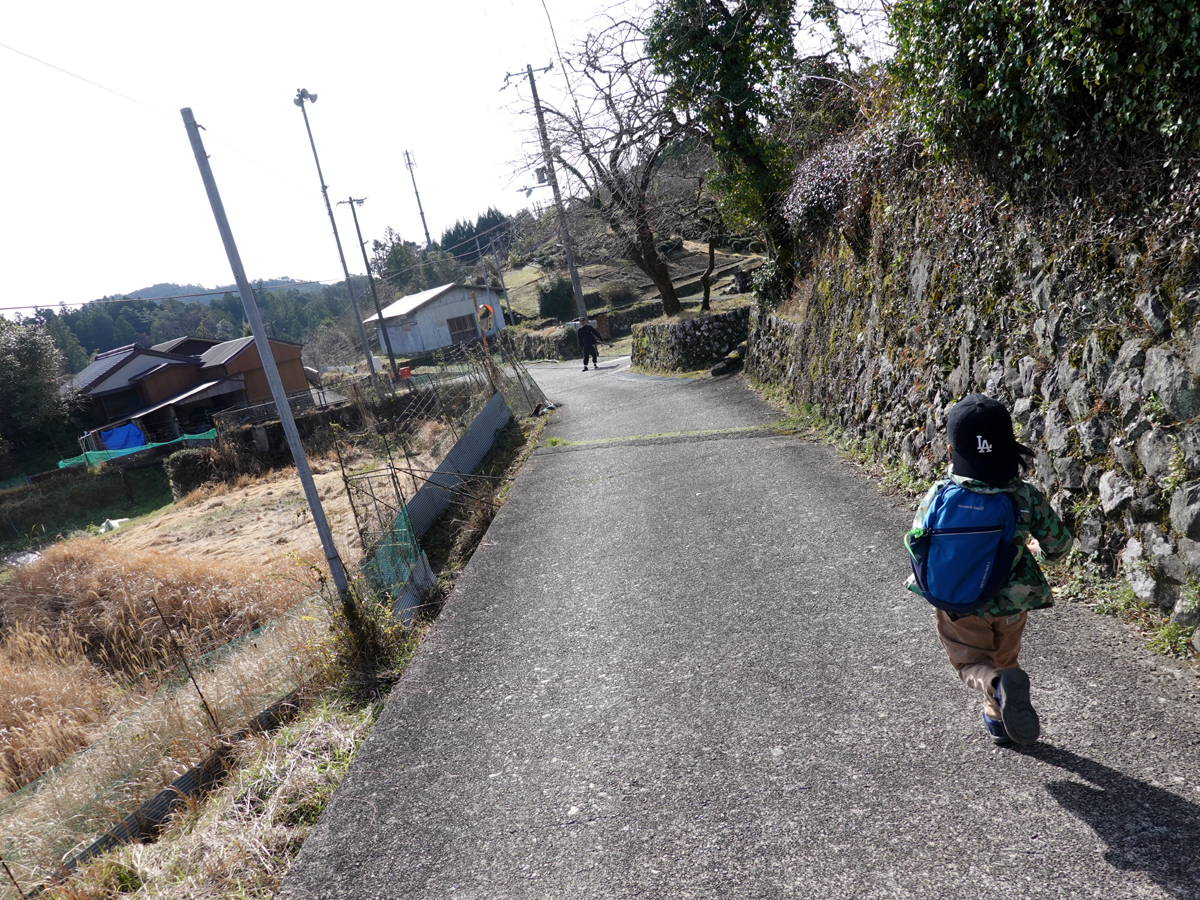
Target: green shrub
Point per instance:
(618, 293)
(669, 246)
(556, 298)
(1041, 76)
(187, 470)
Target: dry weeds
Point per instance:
(53, 701)
(241, 842)
(126, 608)
(83, 639)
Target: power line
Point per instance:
(161, 112)
(93, 83)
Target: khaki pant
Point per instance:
(980, 647)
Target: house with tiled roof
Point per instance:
(173, 388)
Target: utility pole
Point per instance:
(553, 179)
(500, 274)
(387, 338)
(412, 164)
(301, 95)
(336, 570)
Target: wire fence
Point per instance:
(56, 820)
(429, 415)
(69, 813)
(300, 402)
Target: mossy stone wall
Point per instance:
(940, 285)
(694, 344)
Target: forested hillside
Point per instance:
(291, 313)
(292, 310)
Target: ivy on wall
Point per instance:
(1047, 75)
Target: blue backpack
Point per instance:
(963, 554)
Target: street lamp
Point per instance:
(301, 95)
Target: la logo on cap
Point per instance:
(982, 446)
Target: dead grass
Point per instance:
(125, 608)
(241, 841)
(83, 639)
(53, 701)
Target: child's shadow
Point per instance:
(1147, 829)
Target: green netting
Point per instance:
(19, 481)
(50, 821)
(95, 457)
(397, 551)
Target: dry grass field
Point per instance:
(91, 627)
(87, 631)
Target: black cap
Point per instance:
(981, 432)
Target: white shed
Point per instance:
(439, 317)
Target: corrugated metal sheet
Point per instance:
(435, 495)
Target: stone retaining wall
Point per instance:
(939, 286)
(694, 344)
(547, 343)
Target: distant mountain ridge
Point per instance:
(198, 293)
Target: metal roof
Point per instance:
(412, 302)
(172, 345)
(223, 353)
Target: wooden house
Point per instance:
(174, 387)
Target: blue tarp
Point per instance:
(123, 438)
(95, 459)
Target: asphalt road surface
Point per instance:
(682, 665)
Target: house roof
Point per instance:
(177, 345)
(412, 302)
(101, 366)
(108, 362)
(217, 354)
(223, 353)
(193, 394)
(405, 305)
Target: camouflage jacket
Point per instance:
(1027, 587)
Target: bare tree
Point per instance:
(613, 141)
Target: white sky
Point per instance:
(102, 196)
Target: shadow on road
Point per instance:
(1147, 829)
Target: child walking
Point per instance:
(982, 646)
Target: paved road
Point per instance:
(681, 665)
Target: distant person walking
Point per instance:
(982, 642)
(589, 338)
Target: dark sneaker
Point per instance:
(996, 729)
(585, 368)
(1019, 717)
